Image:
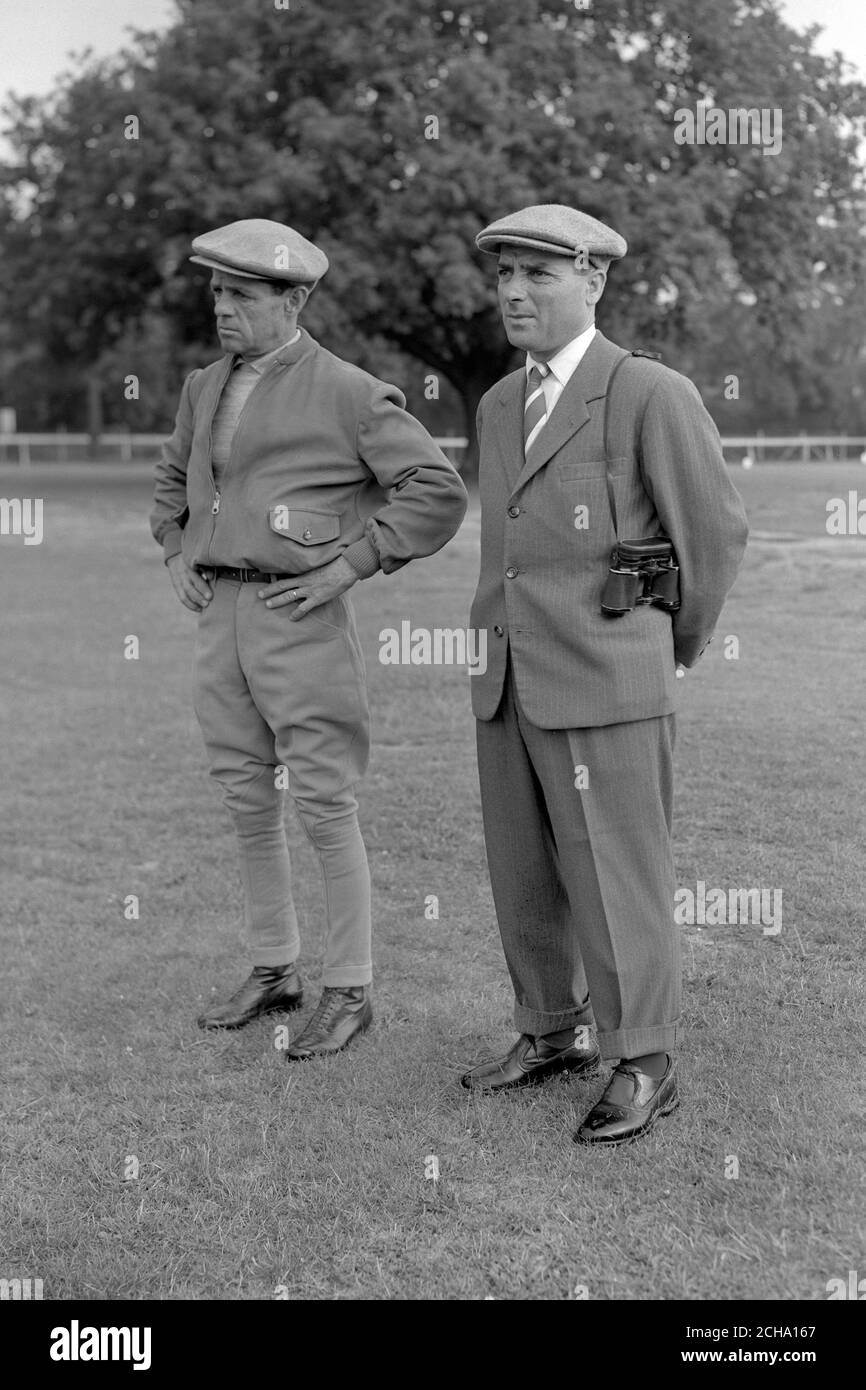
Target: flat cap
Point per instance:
(261, 250)
(553, 228)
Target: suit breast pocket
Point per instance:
(590, 468)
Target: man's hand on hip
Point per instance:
(191, 587)
(311, 590)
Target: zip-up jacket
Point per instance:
(325, 461)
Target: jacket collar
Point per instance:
(588, 382)
(285, 356)
(288, 356)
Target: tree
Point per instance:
(391, 133)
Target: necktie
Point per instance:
(535, 410)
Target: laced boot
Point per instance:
(268, 988)
(338, 1016)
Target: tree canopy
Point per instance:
(390, 133)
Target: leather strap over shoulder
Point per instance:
(636, 352)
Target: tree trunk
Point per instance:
(94, 409)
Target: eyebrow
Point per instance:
(528, 264)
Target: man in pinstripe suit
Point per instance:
(575, 710)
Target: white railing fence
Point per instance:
(27, 449)
(795, 448)
(123, 447)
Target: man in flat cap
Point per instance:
(575, 717)
(290, 475)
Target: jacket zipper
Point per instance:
(217, 496)
(217, 499)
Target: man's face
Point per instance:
(545, 301)
(250, 318)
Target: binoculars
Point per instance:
(641, 572)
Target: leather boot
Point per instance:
(268, 989)
(531, 1060)
(338, 1016)
(631, 1104)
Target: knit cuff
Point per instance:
(362, 556)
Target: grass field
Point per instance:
(259, 1180)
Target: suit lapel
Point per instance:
(588, 382)
(567, 418)
(508, 422)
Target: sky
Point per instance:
(38, 35)
(843, 20)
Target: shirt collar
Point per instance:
(261, 364)
(564, 362)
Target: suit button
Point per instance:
(497, 629)
(514, 511)
(511, 572)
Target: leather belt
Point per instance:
(246, 576)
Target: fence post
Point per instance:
(94, 412)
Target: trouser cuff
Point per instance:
(347, 976)
(536, 1023)
(636, 1042)
(273, 955)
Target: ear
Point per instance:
(595, 283)
(297, 298)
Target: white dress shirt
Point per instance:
(560, 367)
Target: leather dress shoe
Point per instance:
(631, 1104)
(268, 988)
(339, 1015)
(531, 1060)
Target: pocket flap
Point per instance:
(307, 528)
(591, 468)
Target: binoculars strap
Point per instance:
(608, 479)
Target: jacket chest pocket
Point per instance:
(305, 528)
(591, 468)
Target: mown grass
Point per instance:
(257, 1179)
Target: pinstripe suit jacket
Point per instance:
(546, 523)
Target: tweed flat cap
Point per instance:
(553, 228)
(261, 250)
